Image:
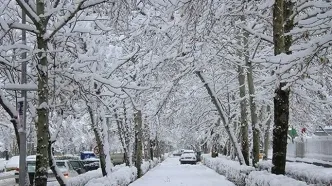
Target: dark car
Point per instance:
(91, 164)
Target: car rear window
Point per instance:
(61, 164)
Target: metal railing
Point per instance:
(316, 147)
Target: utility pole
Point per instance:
(22, 113)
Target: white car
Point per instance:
(188, 156)
(64, 166)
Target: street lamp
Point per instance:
(22, 109)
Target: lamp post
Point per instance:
(22, 108)
(22, 105)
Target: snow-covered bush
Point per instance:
(147, 165)
(264, 178)
(232, 170)
(309, 173)
(164, 156)
(264, 165)
(121, 177)
(82, 179)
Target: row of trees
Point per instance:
(144, 72)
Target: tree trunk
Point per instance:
(52, 164)
(244, 123)
(253, 114)
(223, 117)
(12, 113)
(281, 11)
(98, 140)
(151, 142)
(105, 142)
(138, 142)
(267, 133)
(42, 124)
(122, 140)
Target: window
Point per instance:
(31, 166)
(75, 164)
(61, 164)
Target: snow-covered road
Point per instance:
(171, 173)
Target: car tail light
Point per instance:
(17, 169)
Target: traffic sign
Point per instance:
(96, 150)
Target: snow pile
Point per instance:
(309, 173)
(265, 165)
(232, 170)
(164, 156)
(263, 178)
(121, 177)
(82, 179)
(147, 165)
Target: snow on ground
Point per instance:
(264, 178)
(231, 169)
(5, 181)
(309, 173)
(171, 173)
(122, 176)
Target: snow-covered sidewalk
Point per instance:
(171, 173)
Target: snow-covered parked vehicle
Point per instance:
(188, 157)
(64, 166)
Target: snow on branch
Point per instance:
(21, 26)
(90, 3)
(83, 4)
(124, 60)
(28, 10)
(259, 35)
(7, 106)
(4, 62)
(27, 87)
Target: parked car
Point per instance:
(63, 165)
(66, 168)
(91, 164)
(78, 166)
(12, 164)
(188, 157)
(177, 153)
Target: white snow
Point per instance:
(28, 87)
(256, 178)
(232, 170)
(309, 173)
(120, 175)
(171, 173)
